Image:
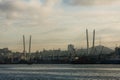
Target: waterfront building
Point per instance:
(71, 51)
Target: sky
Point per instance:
(54, 24)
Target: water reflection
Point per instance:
(59, 72)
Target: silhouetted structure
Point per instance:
(30, 45)
(72, 55)
(87, 38)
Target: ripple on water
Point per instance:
(59, 72)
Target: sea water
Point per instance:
(59, 72)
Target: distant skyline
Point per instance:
(54, 24)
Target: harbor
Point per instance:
(59, 40)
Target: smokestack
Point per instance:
(30, 45)
(87, 41)
(23, 44)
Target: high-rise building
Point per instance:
(71, 51)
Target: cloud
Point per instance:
(52, 2)
(21, 8)
(92, 2)
(50, 22)
(27, 13)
